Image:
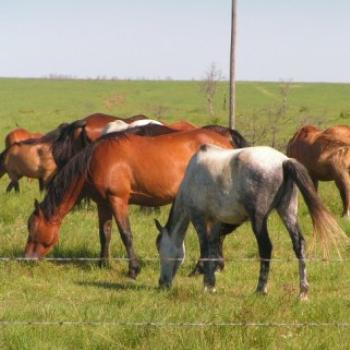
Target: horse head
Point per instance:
(171, 256)
(43, 234)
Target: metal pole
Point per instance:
(232, 117)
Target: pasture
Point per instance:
(91, 308)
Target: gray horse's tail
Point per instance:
(325, 227)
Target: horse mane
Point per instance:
(63, 147)
(60, 184)
(238, 140)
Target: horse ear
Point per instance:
(158, 225)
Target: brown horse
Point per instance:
(326, 155)
(78, 134)
(116, 172)
(20, 134)
(31, 158)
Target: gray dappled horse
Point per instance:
(230, 187)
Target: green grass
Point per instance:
(80, 291)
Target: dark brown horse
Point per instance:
(326, 155)
(82, 132)
(116, 172)
(20, 134)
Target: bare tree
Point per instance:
(209, 86)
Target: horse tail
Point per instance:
(238, 140)
(325, 226)
(2, 162)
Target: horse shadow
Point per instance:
(128, 286)
(65, 256)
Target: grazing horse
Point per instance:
(20, 134)
(31, 158)
(115, 171)
(78, 134)
(119, 125)
(240, 185)
(326, 155)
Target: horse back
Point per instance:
(147, 169)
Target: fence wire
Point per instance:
(344, 325)
(157, 259)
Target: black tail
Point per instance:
(325, 226)
(237, 139)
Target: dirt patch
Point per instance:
(114, 101)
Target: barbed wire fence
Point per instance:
(168, 324)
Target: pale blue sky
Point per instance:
(300, 40)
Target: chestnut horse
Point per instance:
(20, 134)
(115, 172)
(326, 155)
(31, 158)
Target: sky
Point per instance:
(299, 40)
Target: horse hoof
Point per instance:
(134, 272)
(210, 289)
(262, 292)
(104, 264)
(303, 296)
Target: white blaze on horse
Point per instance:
(119, 125)
(229, 187)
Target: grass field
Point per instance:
(81, 292)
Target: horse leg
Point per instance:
(288, 211)
(120, 211)
(198, 225)
(315, 182)
(13, 184)
(225, 230)
(259, 225)
(342, 181)
(209, 236)
(105, 230)
(9, 187)
(212, 264)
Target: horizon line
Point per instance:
(63, 77)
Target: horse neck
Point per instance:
(178, 222)
(69, 200)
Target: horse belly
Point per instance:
(149, 201)
(230, 213)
